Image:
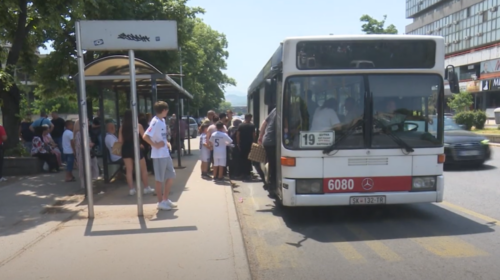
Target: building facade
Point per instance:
(471, 29)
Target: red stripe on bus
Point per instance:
(367, 184)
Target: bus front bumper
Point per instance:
(290, 198)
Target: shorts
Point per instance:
(164, 169)
(70, 160)
(205, 155)
(220, 162)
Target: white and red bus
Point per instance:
(359, 118)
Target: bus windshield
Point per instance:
(361, 111)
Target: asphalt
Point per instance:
(456, 239)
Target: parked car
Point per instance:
(464, 147)
(193, 127)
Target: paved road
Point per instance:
(457, 239)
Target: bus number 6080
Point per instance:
(341, 184)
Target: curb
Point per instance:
(241, 265)
(495, 144)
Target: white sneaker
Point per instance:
(171, 204)
(132, 191)
(148, 190)
(164, 206)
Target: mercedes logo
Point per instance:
(367, 184)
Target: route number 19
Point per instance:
(309, 139)
(340, 184)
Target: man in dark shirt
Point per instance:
(59, 125)
(245, 136)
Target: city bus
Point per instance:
(359, 118)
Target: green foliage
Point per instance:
(460, 102)
(18, 151)
(373, 26)
(224, 106)
(467, 118)
(31, 24)
(479, 119)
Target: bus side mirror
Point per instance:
(452, 78)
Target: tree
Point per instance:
(203, 49)
(461, 102)
(25, 26)
(224, 106)
(373, 26)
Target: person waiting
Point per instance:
(110, 140)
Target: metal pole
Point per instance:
(179, 144)
(180, 62)
(189, 128)
(135, 127)
(117, 109)
(154, 95)
(84, 121)
(103, 148)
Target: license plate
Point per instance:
(469, 153)
(367, 200)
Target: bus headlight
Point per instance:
(424, 183)
(308, 186)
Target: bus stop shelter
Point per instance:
(111, 77)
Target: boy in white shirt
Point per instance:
(219, 141)
(204, 152)
(156, 136)
(67, 147)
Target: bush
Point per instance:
(466, 118)
(479, 119)
(18, 151)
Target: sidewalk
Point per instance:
(200, 240)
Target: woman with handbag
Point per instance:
(43, 150)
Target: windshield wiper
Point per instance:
(348, 132)
(395, 138)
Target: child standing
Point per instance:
(156, 136)
(67, 147)
(219, 141)
(204, 152)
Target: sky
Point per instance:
(255, 28)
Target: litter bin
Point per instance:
(497, 115)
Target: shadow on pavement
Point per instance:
(459, 168)
(376, 222)
(116, 193)
(32, 201)
(142, 230)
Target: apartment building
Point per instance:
(471, 29)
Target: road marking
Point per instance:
(471, 213)
(346, 250)
(449, 247)
(378, 247)
(446, 246)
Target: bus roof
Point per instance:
(364, 37)
(275, 61)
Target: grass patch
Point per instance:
(495, 131)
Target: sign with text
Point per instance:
(490, 85)
(100, 35)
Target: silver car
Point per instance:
(193, 128)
